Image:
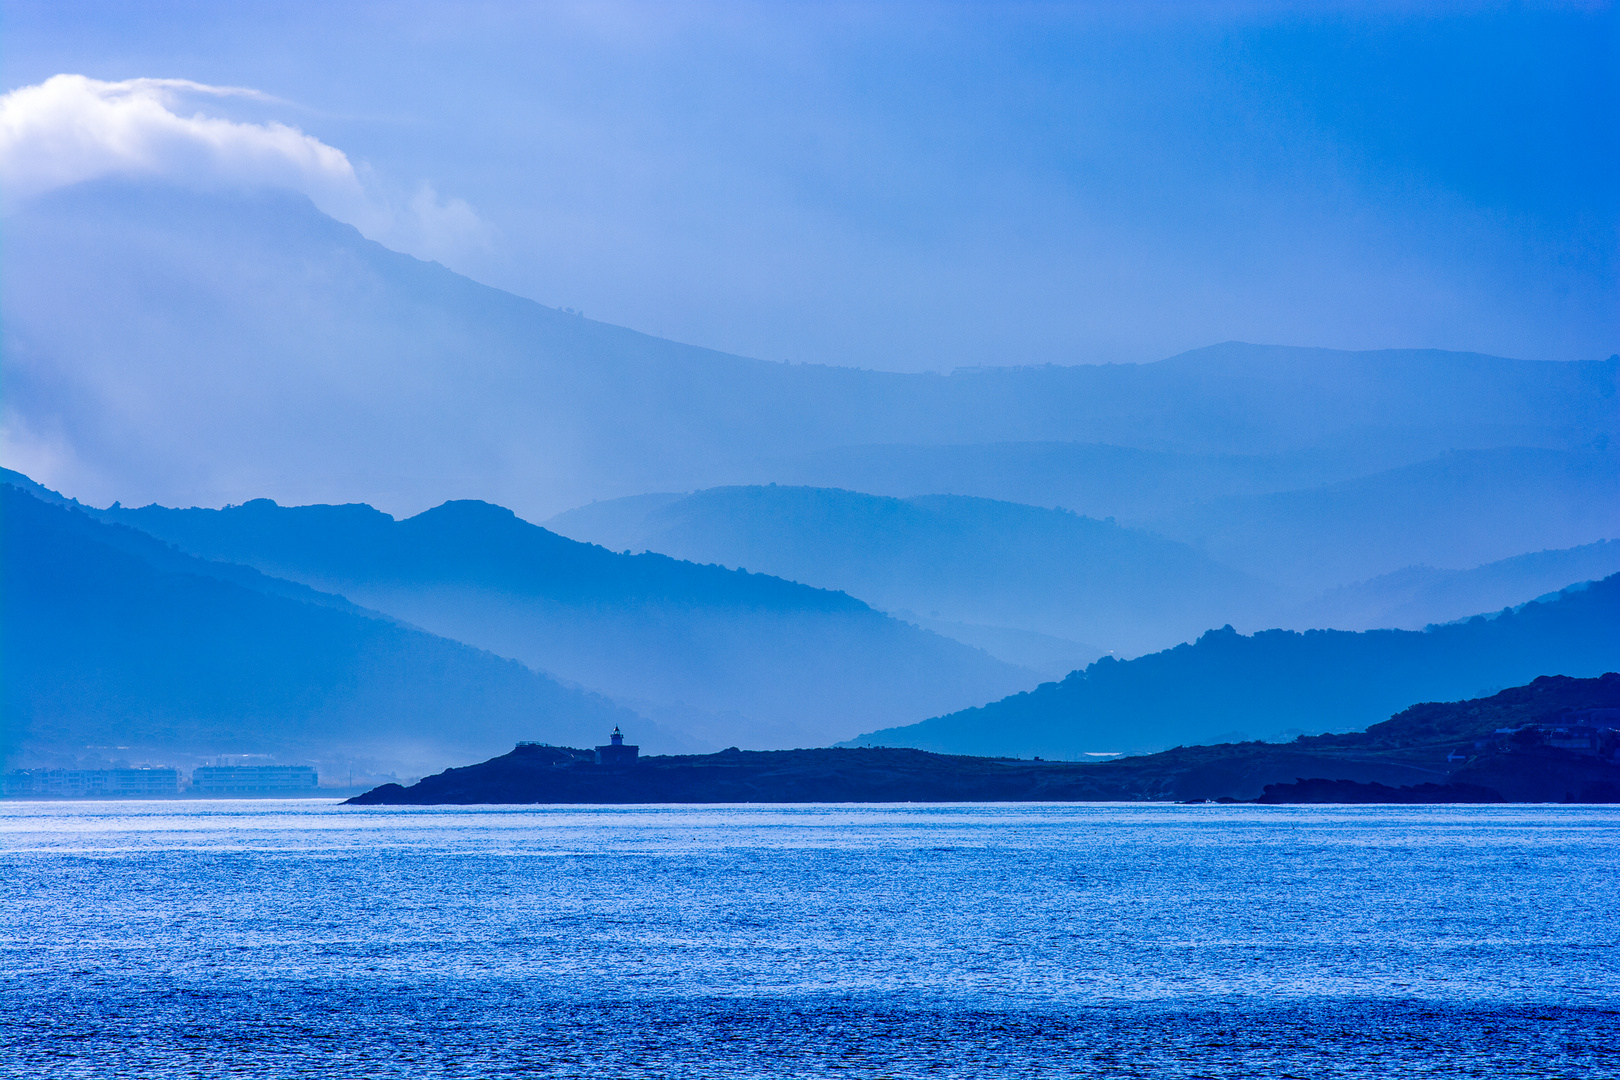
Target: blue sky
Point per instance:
(922, 186)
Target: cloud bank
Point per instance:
(71, 128)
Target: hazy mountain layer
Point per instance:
(1045, 654)
(1227, 686)
(1416, 596)
(732, 657)
(118, 646)
(161, 345)
(1458, 510)
(946, 558)
(1094, 479)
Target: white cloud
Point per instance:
(70, 128)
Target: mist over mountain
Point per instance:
(1226, 686)
(206, 349)
(1459, 510)
(118, 646)
(1095, 479)
(948, 559)
(724, 655)
(184, 348)
(1414, 597)
(1315, 519)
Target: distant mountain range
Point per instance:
(168, 346)
(727, 656)
(975, 568)
(1227, 687)
(945, 559)
(117, 646)
(1458, 510)
(1414, 597)
(294, 630)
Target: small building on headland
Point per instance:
(616, 752)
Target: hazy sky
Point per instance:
(916, 186)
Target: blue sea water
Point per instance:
(271, 938)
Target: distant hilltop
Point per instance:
(1231, 687)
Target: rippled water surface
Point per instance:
(303, 938)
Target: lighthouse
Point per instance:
(615, 752)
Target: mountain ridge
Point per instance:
(112, 636)
(1263, 684)
(956, 558)
(121, 293)
(758, 658)
(1415, 597)
(1463, 508)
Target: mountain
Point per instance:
(116, 646)
(1416, 596)
(952, 560)
(40, 491)
(1314, 514)
(1453, 746)
(1489, 745)
(1131, 483)
(725, 655)
(1227, 686)
(168, 346)
(1461, 509)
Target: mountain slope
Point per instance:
(162, 345)
(1460, 509)
(1434, 743)
(1227, 686)
(945, 558)
(111, 637)
(1414, 597)
(736, 657)
(1095, 479)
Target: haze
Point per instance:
(959, 376)
(865, 538)
(920, 187)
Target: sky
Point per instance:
(901, 186)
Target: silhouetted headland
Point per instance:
(555, 774)
(1554, 740)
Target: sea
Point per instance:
(306, 938)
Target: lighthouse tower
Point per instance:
(616, 752)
